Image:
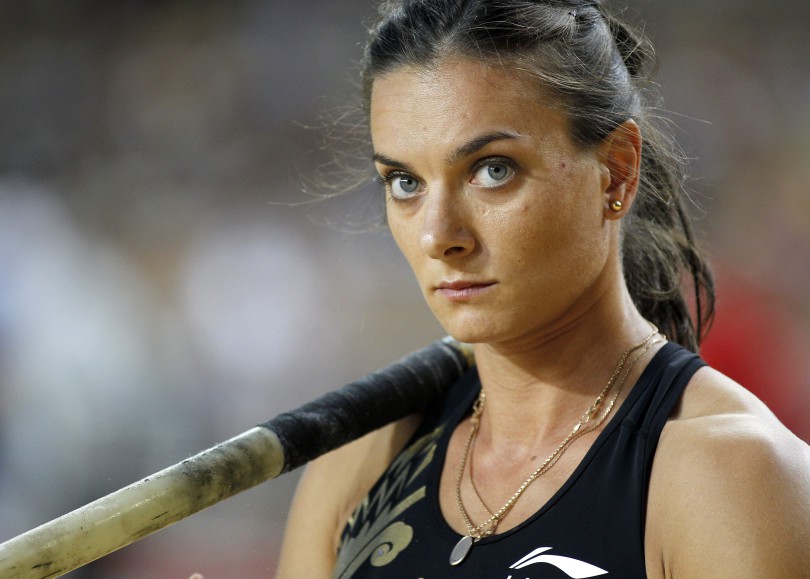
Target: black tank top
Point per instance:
(592, 526)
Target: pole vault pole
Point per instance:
(259, 454)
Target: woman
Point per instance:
(541, 212)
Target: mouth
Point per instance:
(463, 290)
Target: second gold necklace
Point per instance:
(486, 528)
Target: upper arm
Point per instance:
(328, 492)
(310, 528)
(732, 499)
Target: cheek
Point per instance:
(560, 229)
(535, 222)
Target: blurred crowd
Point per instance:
(165, 285)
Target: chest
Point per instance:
(482, 485)
(586, 524)
(587, 517)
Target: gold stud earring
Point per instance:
(616, 205)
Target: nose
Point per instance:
(446, 231)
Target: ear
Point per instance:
(620, 154)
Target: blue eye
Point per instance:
(492, 173)
(406, 183)
(497, 172)
(402, 185)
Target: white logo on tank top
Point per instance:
(571, 567)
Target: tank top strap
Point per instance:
(662, 385)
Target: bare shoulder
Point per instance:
(730, 488)
(329, 490)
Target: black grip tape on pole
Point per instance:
(405, 387)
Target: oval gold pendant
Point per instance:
(461, 549)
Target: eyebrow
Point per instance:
(479, 143)
(380, 158)
(459, 153)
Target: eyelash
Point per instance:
(505, 161)
(386, 178)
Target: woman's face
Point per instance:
(500, 215)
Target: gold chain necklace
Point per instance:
(488, 527)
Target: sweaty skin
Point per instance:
(507, 226)
(518, 235)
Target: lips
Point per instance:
(462, 290)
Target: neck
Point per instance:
(538, 388)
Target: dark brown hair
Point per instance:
(597, 70)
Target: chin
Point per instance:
(470, 333)
(474, 327)
(467, 338)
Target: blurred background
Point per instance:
(161, 291)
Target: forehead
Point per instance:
(455, 99)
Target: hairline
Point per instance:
(536, 88)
